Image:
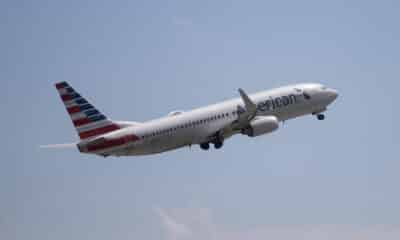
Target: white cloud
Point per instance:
(197, 224)
(173, 229)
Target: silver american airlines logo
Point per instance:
(278, 102)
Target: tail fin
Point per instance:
(88, 121)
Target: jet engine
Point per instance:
(261, 125)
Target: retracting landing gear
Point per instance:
(218, 141)
(320, 116)
(205, 146)
(218, 144)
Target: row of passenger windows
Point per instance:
(189, 124)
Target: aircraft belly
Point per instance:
(159, 145)
(204, 133)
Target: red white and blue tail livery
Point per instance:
(252, 115)
(88, 121)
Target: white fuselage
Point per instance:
(200, 125)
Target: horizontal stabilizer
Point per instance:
(59, 146)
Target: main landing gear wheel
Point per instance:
(205, 146)
(320, 116)
(218, 145)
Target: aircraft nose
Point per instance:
(332, 93)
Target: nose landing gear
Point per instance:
(320, 116)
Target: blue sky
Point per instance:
(138, 60)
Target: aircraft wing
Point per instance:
(245, 115)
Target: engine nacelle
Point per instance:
(261, 125)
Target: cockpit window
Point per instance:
(323, 88)
(297, 89)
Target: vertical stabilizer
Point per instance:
(87, 120)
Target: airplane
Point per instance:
(252, 115)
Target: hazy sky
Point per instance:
(138, 60)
